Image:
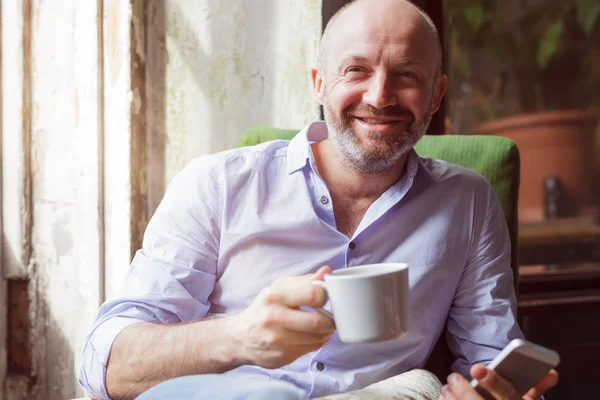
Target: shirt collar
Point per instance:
(412, 163)
(299, 152)
(399, 189)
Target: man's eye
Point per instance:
(354, 70)
(408, 74)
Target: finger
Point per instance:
(282, 352)
(295, 292)
(320, 274)
(460, 388)
(305, 321)
(285, 339)
(313, 340)
(447, 394)
(300, 350)
(547, 382)
(497, 386)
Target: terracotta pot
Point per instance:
(552, 144)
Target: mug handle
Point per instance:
(319, 309)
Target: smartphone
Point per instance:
(523, 364)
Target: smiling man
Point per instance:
(213, 306)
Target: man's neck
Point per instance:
(343, 180)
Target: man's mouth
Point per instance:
(380, 121)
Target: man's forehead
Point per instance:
(366, 45)
(377, 36)
(361, 30)
(394, 30)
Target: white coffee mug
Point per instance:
(369, 302)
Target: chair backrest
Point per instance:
(494, 157)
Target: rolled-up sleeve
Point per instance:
(482, 317)
(171, 277)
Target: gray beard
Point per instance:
(376, 161)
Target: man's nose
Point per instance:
(380, 93)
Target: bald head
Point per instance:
(402, 11)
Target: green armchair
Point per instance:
(496, 158)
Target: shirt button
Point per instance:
(324, 200)
(352, 245)
(320, 366)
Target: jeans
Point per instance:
(197, 387)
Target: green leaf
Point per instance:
(549, 44)
(475, 15)
(587, 14)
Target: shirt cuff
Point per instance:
(92, 376)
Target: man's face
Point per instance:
(378, 91)
(373, 139)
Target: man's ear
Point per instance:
(440, 90)
(317, 85)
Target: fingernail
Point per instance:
(453, 379)
(446, 392)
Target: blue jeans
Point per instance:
(199, 387)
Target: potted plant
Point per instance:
(519, 66)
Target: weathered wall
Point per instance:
(64, 169)
(102, 103)
(13, 259)
(116, 119)
(229, 65)
(52, 180)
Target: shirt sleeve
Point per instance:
(171, 277)
(482, 317)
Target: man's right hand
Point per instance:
(273, 331)
(270, 333)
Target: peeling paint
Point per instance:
(62, 238)
(63, 269)
(239, 66)
(139, 29)
(138, 154)
(137, 102)
(112, 28)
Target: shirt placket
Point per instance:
(321, 197)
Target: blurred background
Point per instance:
(104, 101)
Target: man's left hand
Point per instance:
(459, 388)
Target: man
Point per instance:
(218, 293)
